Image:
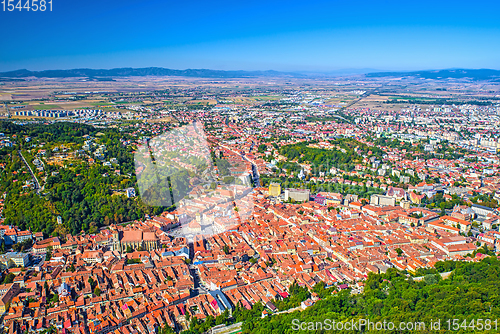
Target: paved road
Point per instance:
(298, 308)
(37, 184)
(255, 171)
(235, 328)
(353, 102)
(443, 276)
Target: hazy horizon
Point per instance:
(336, 72)
(282, 36)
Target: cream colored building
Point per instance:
(274, 189)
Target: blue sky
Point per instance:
(253, 35)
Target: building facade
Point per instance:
(274, 189)
(298, 195)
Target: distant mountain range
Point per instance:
(153, 71)
(481, 74)
(103, 74)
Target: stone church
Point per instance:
(135, 239)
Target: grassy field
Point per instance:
(101, 103)
(45, 106)
(5, 96)
(113, 110)
(266, 98)
(202, 102)
(410, 98)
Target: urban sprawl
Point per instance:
(311, 183)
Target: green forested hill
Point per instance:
(85, 195)
(85, 202)
(471, 293)
(348, 152)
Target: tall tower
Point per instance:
(116, 241)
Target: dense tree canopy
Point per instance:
(348, 151)
(86, 195)
(472, 292)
